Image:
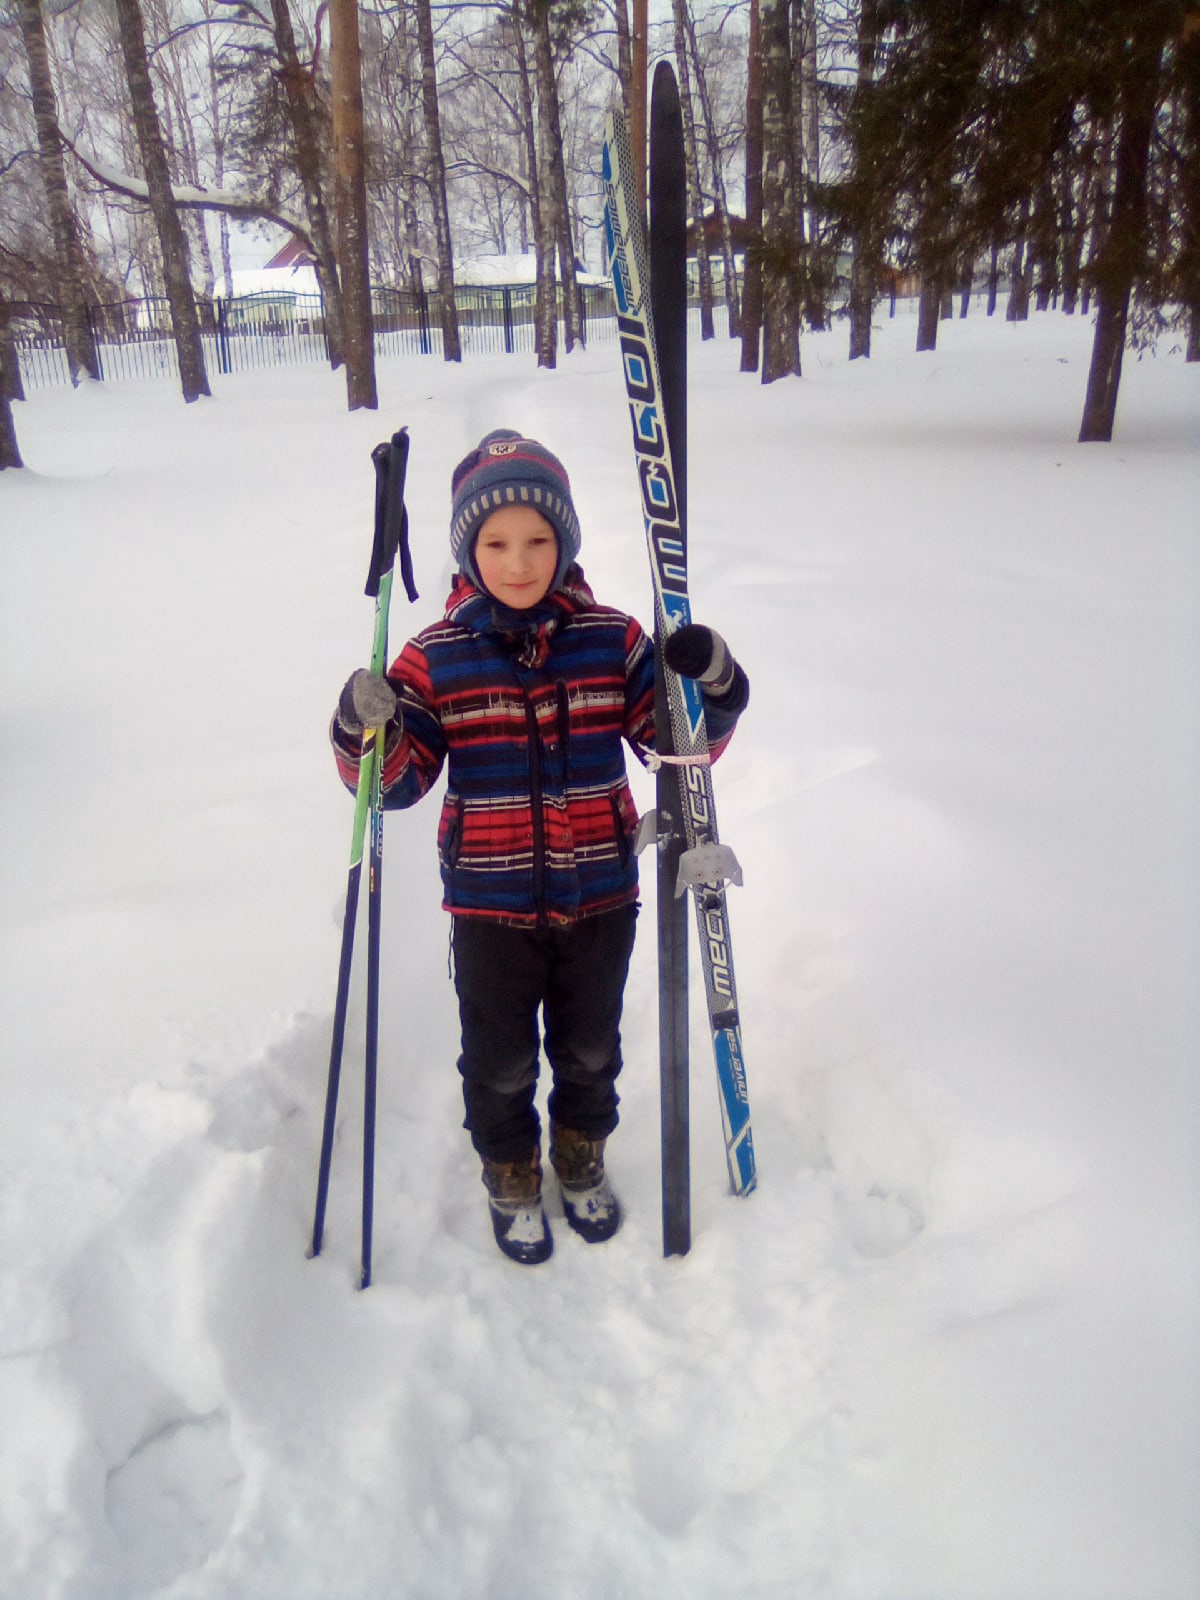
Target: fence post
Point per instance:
(423, 321)
(508, 321)
(221, 310)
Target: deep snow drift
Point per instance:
(948, 1349)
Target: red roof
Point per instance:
(293, 254)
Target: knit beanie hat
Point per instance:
(506, 469)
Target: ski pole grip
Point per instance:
(391, 515)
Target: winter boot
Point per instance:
(515, 1205)
(588, 1200)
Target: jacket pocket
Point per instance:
(450, 831)
(623, 828)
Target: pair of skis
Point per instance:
(649, 283)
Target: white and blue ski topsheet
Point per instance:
(628, 259)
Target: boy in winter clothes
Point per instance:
(526, 688)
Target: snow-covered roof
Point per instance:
(500, 270)
(482, 272)
(267, 280)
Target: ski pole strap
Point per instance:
(654, 761)
(391, 515)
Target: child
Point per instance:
(527, 688)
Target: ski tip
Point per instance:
(664, 92)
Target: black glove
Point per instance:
(694, 651)
(367, 701)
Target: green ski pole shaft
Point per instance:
(391, 537)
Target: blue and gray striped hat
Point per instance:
(507, 469)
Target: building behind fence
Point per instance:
(133, 339)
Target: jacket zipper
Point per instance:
(535, 803)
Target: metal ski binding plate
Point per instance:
(707, 864)
(647, 832)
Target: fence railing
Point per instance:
(133, 338)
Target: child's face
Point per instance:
(516, 554)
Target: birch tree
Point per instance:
(81, 354)
(695, 196)
(10, 454)
(554, 211)
(350, 193)
(309, 142)
(175, 262)
(781, 245)
(716, 167)
(435, 174)
(752, 287)
(866, 231)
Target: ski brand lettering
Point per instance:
(654, 473)
(698, 806)
(627, 261)
(718, 950)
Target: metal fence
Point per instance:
(133, 338)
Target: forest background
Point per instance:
(838, 150)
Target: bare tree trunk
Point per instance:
(1123, 250)
(624, 55)
(10, 389)
(1075, 211)
(692, 165)
(193, 377)
(545, 301)
(350, 204)
(545, 308)
(639, 57)
(10, 365)
(1018, 294)
(809, 128)
(556, 216)
(80, 349)
(993, 281)
(966, 284)
(1189, 255)
(435, 167)
(219, 131)
(733, 309)
(10, 453)
(181, 141)
(1044, 251)
(307, 140)
(781, 247)
(752, 288)
(928, 313)
(865, 250)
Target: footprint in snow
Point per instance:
(172, 1501)
(881, 1222)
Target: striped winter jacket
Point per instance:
(528, 711)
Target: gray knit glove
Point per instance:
(694, 651)
(367, 701)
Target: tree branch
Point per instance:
(195, 199)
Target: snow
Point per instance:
(517, 270)
(271, 280)
(490, 271)
(947, 1350)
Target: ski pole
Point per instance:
(391, 535)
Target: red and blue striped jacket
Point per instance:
(528, 711)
